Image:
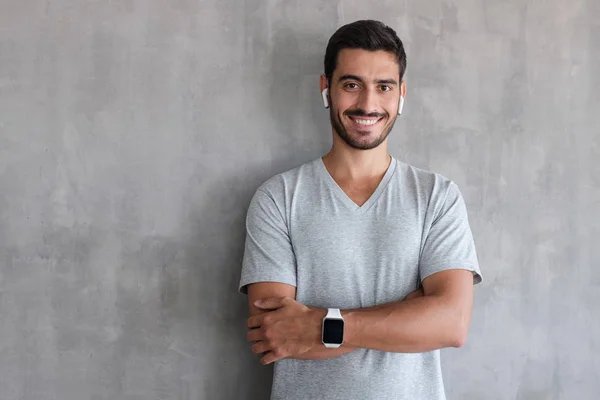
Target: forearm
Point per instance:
(412, 326)
(432, 318)
(323, 353)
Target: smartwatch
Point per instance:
(333, 329)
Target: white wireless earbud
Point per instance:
(324, 93)
(401, 105)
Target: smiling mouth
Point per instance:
(365, 122)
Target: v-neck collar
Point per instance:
(344, 197)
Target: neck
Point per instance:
(352, 164)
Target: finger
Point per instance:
(271, 357)
(255, 335)
(271, 303)
(260, 347)
(256, 321)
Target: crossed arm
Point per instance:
(434, 318)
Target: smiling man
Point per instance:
(358, 267)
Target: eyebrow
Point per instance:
(358, 78)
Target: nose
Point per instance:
(367, 101)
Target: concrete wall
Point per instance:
(133, 134)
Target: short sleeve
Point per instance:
(268, 251)
(449, 241)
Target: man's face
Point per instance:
(364, 95)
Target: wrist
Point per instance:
(316, 324)
(349, 327)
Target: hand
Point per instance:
(415, 294)
(289, 329)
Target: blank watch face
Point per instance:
(333, 331)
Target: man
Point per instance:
(358, 267)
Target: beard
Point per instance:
(354, 141)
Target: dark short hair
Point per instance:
(367, 35)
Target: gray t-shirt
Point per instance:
(303, 230)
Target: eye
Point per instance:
(385, 88)
(351, 85)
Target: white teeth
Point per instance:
(366, 121)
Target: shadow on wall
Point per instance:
(202, 315)
(300, 121)
(199, 299)
(215, 251)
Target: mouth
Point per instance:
(365, 122)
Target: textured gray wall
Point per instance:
(133, 134)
